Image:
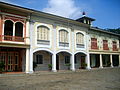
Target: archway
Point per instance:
(80, 60)
(63, 60)
(42, 58)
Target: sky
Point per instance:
(106, 12)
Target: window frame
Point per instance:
(38, 60)
(65, 38)
(43, 33)
(94, 43)
(67, 59)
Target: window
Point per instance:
(8, 29)
(19, 29)
(94, 43)
(63, 36)
(105, 45)
(115, 46)
(80, 40)
(42, 33)
(67, 59)
(39, 59)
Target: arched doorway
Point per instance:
(80, 60)
(63, 60)
(42, 58)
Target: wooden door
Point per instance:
(11, 60)
(3, 58)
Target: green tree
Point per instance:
(117, 30)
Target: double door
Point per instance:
(11, 61)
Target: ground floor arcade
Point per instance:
(22, 59)
(62, 60)
(104, 60)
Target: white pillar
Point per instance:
(29, 61)
(88, 61)
(54, 48)
(111, 60)
(72, 62)
(13, 29)
(13, 38)
(54, 62)
(101, 63)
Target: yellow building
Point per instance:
(31, 37)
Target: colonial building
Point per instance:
(28, 36)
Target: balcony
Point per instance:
(43, 42)
(63, 44)
(12, 38)
(105, 48)
(94, 47)
(80, 45)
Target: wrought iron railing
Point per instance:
(63, 44)
(80, 45)
(43, 42)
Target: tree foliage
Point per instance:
(114, 30)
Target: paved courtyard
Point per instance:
(95, 79)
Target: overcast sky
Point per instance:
(106, 12)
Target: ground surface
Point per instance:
(97, 79)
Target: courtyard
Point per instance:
(94, 79)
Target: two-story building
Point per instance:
(14, 37)
(29, 36)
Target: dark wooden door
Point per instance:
(11, 60)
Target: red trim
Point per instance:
(105, 45)
(6, 11)
(1, 26)
(12, 38)
(114, 46)
(94, 43)
(15, 19)
(25, 31)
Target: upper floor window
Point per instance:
(114, 46)
(10, 35)
(105, 45)
(80, 40)
(94, 43)
(63, 38)
(42, 35)
(19, 29)
(8, 28)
